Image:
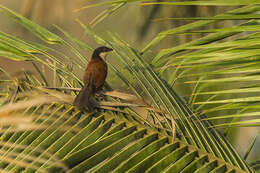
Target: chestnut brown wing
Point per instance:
(95, 73)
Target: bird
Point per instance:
(94, 78)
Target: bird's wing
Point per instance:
(95, 73)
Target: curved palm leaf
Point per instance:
(99, 142)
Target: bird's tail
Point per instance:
(83, 99)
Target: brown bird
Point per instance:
(93, 78)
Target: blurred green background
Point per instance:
(135, 23)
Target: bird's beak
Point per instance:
(110, 49)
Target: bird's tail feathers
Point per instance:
(83, 99)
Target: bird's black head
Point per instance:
(100, 52)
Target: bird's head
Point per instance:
(101, 52)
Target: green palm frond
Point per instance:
(98, 142)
